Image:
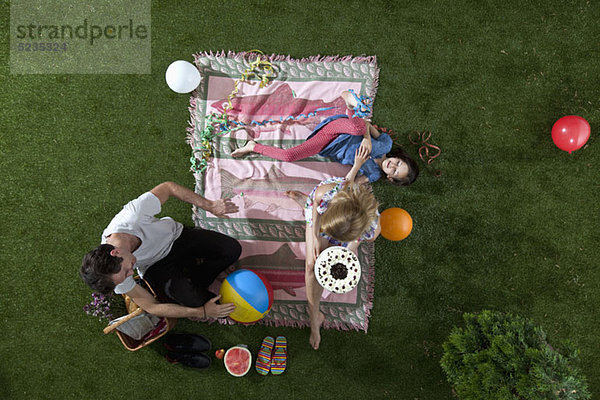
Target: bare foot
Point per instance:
(247, 148)
(297, 196)
(349, 99)
(315, 330)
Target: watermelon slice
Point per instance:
(238, 360)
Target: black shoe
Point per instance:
(187, 343)
(189, 360)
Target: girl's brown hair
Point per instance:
(413, 168)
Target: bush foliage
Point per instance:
(501, 356)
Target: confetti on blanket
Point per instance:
(269, 225)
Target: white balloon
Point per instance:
(182, 76)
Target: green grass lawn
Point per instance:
(510, 225)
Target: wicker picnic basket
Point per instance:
(161, 328)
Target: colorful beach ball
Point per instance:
(251, 293)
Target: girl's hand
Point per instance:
(316, 249)
(353, 246)
(312, 250)
(378, 229)
(361, 156)
(362, 180)
(367, 144)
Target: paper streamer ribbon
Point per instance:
(201, 152)
(422, 139)
(261, 69)
(427, 151)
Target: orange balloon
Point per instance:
(396, 224)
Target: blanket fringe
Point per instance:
(340, 326)
(193, 121)
(371, 60)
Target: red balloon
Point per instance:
(570, 133)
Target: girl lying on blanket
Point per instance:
(338, 137)
(338, 213)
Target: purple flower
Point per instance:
(99, 307)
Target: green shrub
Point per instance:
(501, 356)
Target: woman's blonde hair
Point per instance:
(350, 213)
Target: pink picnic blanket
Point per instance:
(269, 225)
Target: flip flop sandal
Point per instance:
(279, 361)
(263, 361)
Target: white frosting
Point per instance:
(337, 269)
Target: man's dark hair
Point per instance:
(98, 266)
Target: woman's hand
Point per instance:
(214, 310)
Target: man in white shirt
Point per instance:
(178, 262)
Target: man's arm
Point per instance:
(148, 303)
(217, 207)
